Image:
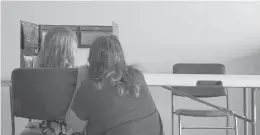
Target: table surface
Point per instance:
(152, 79)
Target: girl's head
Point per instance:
(107, 62)
(58, 49)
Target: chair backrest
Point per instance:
(43, 94)
(197, 68)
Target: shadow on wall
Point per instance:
(249, 64)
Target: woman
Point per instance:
(59, 48)
(114, 99)
(58, 52)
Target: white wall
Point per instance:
(155, 35)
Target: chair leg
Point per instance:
(235, 125)
(227, 125)
(172, 112)
(12, 110)
(180, 127)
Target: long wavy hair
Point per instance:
(107, 63)
(58, 49)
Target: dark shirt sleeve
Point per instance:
(81, 104)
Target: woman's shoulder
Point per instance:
(134, 71)
(137, 75)
(83, 69)
(38, 63)
(82, 74)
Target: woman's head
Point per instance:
(105, 55)
(107, 62)
(58, 48)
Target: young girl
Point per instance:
(58, 52)
(114, 99)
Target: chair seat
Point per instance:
(200, 113)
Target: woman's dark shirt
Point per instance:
(110, 114)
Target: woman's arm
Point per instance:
(74, 122)
(76, 115)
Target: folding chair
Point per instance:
(42, 94)
(202, 92)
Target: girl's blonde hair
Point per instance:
(58, 49)
(107, 62)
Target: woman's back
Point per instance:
(109, 113)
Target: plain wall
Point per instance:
(155, 35)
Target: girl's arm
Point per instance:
(76, 114)
(74, 122)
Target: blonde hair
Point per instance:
(58, 49)
(107, 62)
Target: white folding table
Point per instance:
(247, 82)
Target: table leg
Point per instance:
(245, 108)
(172, 114)
(253, 110)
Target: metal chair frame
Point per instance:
(196, 68)
(234, 127)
